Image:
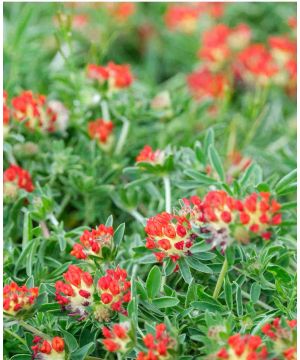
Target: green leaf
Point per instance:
(286, 181)
(165, 301)
(153, 282)
(109, 221)
(70, 341)
(209, 140)
(170, 267)
(81, 353)
(27, 229)
(197, 265)
(215, 162)
(239, 300)
(255, 292)
(185, 270)
(228, 293)
(119, 233)
(207, 305)
(199, 177)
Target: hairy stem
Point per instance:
(105, 110)
(33, 330)
(123, 136)
(15, 336)
(260, 303)
(220, 279)
(45, 230)
(139, 217)
(167, 185)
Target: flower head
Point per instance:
(114, 292)
(182, 18)
(34, 111)
(17, 298)
(243, 347)
(148, 155)
(76, 293)
(6, 110)
(158, 345)
(116, 339)
(92, 242)
(121, 11)
(117, 76)
(282, 334)
(16, 178)
(255, 65)
(258, 213)
(204, 84)
(100, 130)
(282, 48)
(46, 350)
(169, 236)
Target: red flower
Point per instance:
(259, 212)
(6, 110)
(33, 109)
(283, 337)
(122, 11)
(182, 17)
(114, 292)
(282, 47)
(169, 236)
(148, 155)
(248, 347)
(100, 130)
(117, 76)
(158, 345)
(255, 64)
(45, 350)
(76, 293)
(16, 298)
(205, 84)
(117, 338)
(93, 241)
(16, 178)
(239, 37)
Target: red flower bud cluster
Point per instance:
(44, 350)
(116, 338)
(158, 345)
(117, 76)
(148, 155)
(185, 17)
(218, 212)
(76, 293)
(283, 336)
(6, 110)
(204, 84)
(169, 236)
(121, 11)
(93, 241)
(33, 109)
(114, 290)
(16, 298)
(100, 130)
(16, 178)
(244, 347)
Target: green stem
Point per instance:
(220, 279)
(33, 330)
(139, 217)
(260, 303)
(167, 185)
(45, 230)
(105, 111)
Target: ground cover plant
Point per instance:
(149, 181)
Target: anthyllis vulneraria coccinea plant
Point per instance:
(149, 181)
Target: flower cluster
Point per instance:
(148, 155)
(158, 345)
(6, 110)
(116, 338)
(34, 111)
(114, 75)
(169, 236)
(185, 17)
(101, 130)
(92, 242)
(218, 213)
(121, 11)
(243, 347)
(204, 84)
(44, 350)
(16, 178)
(76, 293)
(17, 298)
(283, 337)
(114, 292)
